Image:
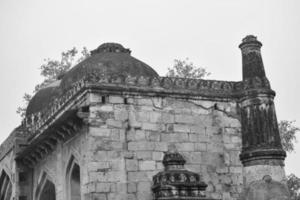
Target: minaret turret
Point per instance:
(262, 152)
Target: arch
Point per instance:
(45, 189)
(5, 186)
(73, 180)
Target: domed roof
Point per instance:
(43, 97)
(109, 59)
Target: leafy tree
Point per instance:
(288, 134)
(51, 70)
(294, 186)
(186, 69)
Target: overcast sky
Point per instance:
(157, 32)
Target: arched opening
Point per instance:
(48, 192)
(73, 180)
(75, 183)
(45, 189)
(5, 187)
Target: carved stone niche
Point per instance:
(175, 182)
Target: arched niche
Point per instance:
(5, 186)
(45, 189)
(73, 180)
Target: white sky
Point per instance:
(157, 32)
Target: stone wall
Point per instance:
(128, 136)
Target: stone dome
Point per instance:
(43, 97)
(109, 59)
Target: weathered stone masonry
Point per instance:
(102, 130)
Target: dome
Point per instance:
(43, 97)
(109, 59)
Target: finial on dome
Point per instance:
(110, 48)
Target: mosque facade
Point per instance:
(111, 128)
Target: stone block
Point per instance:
(203, 120)
(140, 135)
(99, 155)
(185, 119)
(157, 156)
(222, 170)
(186, 146)
(147, 165)
(174, 137)
(237, 170)
(114, 123)
(97, 196)
(131, 165)
(121, 115)
(131, 187)
(169, 128)
(137, 176)
(141, 146)
(153, 136)
(201, 146)
(116, 99)
(117, 165)
(103, 187)
(99, 132)
(142, 116)
(152, 126)
(144, 101)
(159, 166)
(161, 146)
(155, 117)
(131, 197)
(98, 166)
(113, 176)
(181, 128)
(94, 98)
(144, 155)
(106, 108)
(115, 134)
(235, 157)
(193, 157)
(144, 187)
(167, 118)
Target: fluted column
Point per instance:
(262, 152)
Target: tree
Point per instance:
(288, 131)
(51, 70)
(294, 186)
(186, 69)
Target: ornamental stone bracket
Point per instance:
(175, 182)
(66, 127)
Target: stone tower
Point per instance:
(262, 154)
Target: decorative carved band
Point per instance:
(198, 87)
